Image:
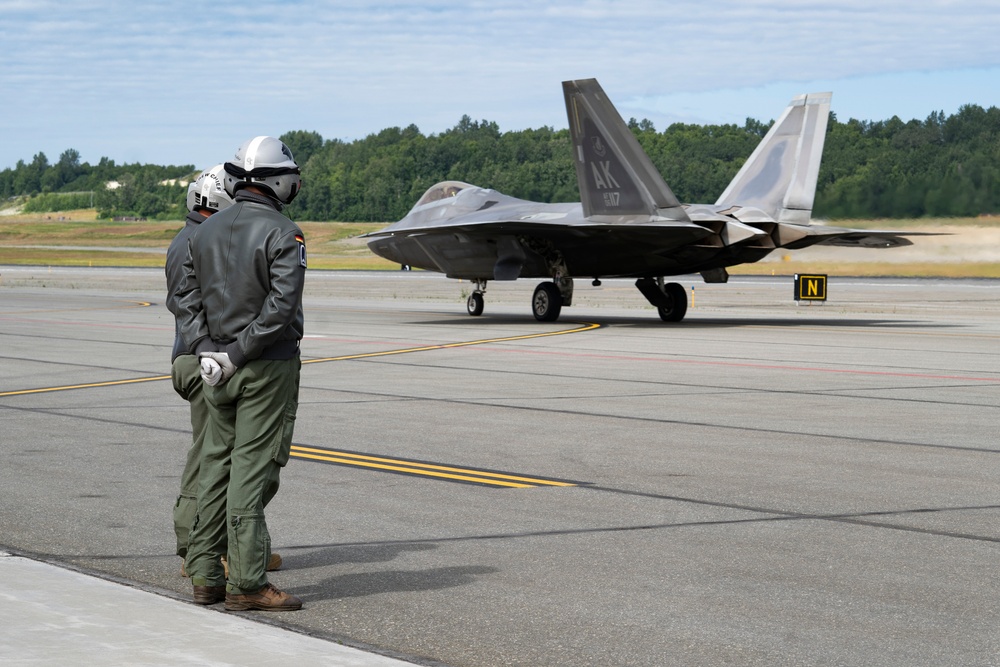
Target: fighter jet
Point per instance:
(629, 223)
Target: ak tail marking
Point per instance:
(615, 175)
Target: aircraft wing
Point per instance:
(668, 231)
(548, 225)
(483, 213)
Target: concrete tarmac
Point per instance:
(57, 616)
(761, 484)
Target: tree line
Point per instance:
(939, 167)
(140, 190)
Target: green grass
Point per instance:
(335, 245)
(331, 245)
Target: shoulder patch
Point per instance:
(302, 249)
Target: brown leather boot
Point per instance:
(209, 594)
(268, 598)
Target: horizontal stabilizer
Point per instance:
(845, 237)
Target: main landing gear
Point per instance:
(549, 298)
(670, 299)
(546, 302)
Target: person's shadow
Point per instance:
(362, 584)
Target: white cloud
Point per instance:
(165, 82)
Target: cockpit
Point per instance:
(443, 190)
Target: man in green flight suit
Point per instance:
(206, 195)
(239, 308)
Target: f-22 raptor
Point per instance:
(629, 223)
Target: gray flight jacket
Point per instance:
(174, 270)
(241, 292)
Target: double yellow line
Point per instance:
(424, 469)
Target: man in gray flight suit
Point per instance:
(206, 195)
(239, 307)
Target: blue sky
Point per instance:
(186, 83)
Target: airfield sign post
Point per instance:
(810, 288)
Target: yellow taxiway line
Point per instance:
(584, 326)
(110, 383)
(436, 470)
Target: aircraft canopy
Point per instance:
(442, 190)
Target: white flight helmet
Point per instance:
(208, 190)
(267, 163)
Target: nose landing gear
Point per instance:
(475, 304)
(476, 301)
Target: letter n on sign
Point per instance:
(810, 288)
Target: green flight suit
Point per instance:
(186, 375)
(253, 416)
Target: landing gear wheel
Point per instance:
(547, 302)
(475, 304)
(677, 309)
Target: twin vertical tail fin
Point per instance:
(780, 176)
(617, 178)
(615, 175)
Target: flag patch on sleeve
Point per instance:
(302, 250)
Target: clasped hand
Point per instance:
(216, 368)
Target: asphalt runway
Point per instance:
(761, 484)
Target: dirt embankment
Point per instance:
(948, 250)
(949, 243)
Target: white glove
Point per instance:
(211, 371)
(222, 359)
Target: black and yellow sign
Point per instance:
(810, 288)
